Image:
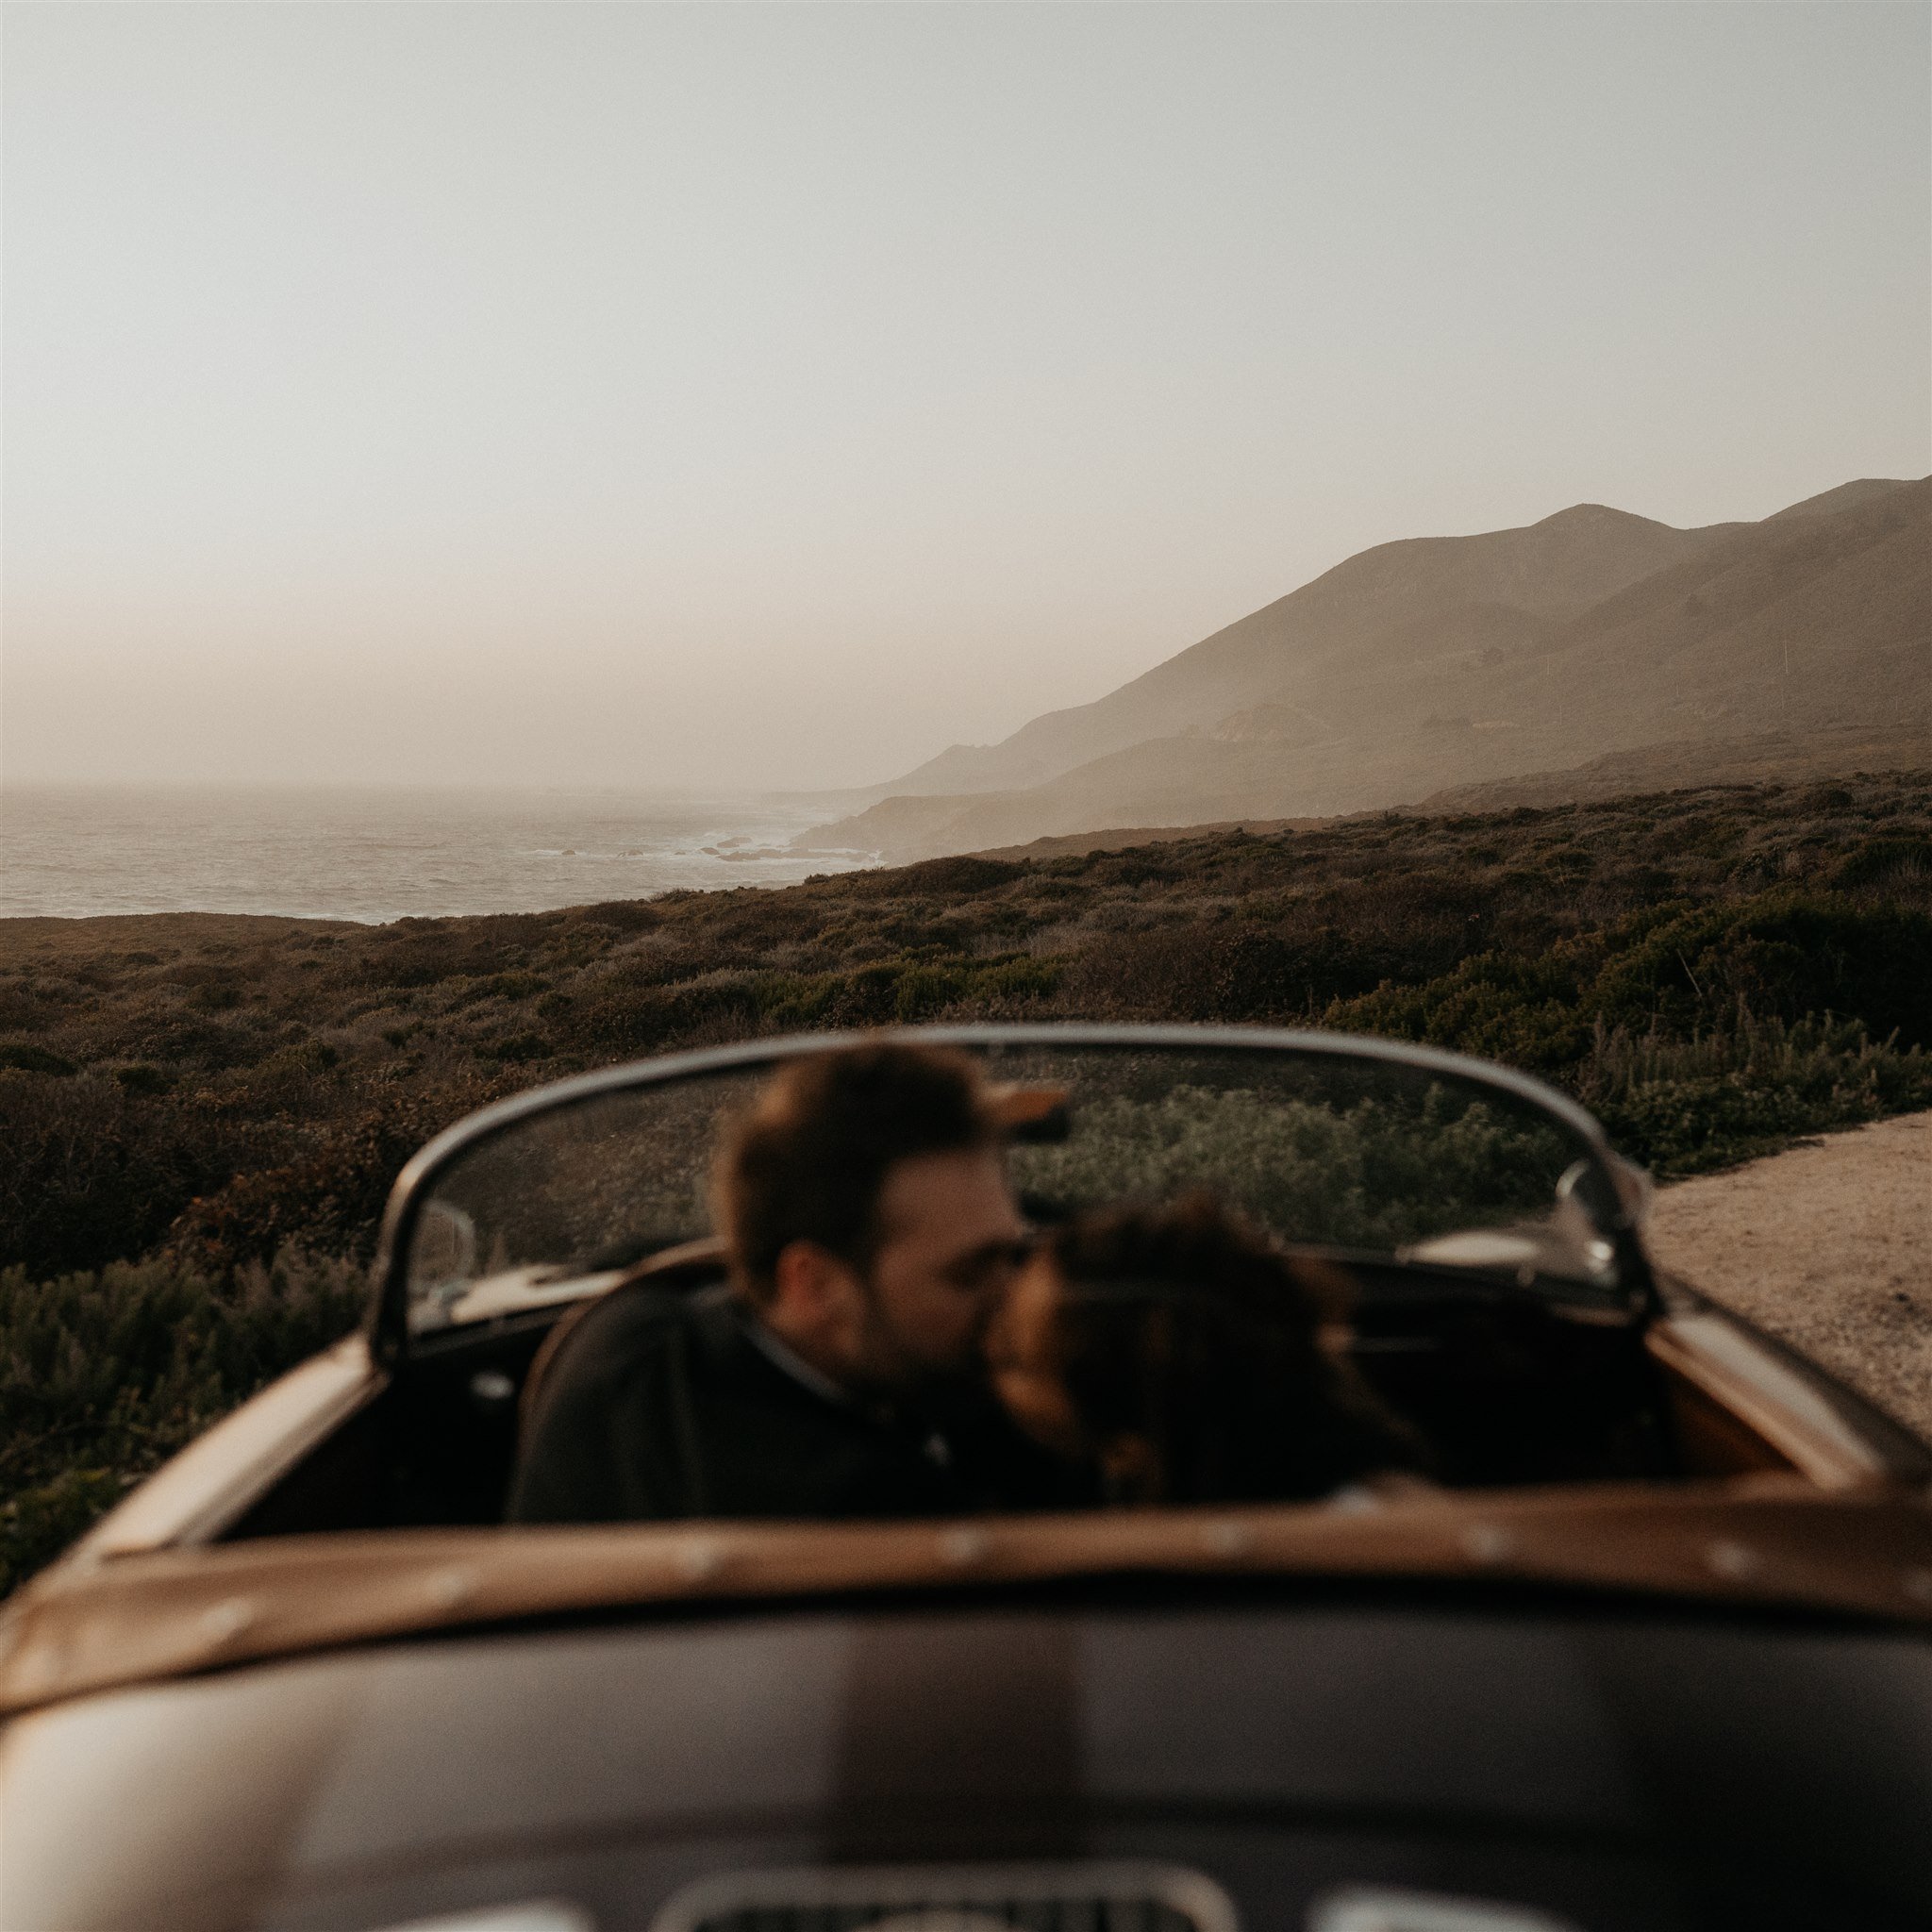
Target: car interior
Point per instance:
(1507, 1387)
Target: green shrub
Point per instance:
(1747, 1086)
(142, 1078)
(92, 1171)
(1497, 1006)
(1784, 952)
(951, 878)
(28, 1059)
(502, 986)
(517, 1049)
(1884, 860)
(105, 1374)
(1373, 1172)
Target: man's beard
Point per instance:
(892, 1375)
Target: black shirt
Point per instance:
(663, 1403)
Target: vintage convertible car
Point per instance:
(1655, 1655)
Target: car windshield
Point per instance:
(1334, 1149)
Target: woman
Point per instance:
(1176, 1352)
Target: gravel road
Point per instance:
(1829, 1246)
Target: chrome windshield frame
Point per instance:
(389, 1330)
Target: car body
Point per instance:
(1655, 1655)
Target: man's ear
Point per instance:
(812, 1289)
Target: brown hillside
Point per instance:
(1364, 696)
(1367, 611)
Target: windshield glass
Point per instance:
(1324, 1150)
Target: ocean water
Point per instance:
(380, 854)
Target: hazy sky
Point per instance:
(772, 394)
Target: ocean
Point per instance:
(377, 855)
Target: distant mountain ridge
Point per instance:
(1375, 601)
(1434, 662)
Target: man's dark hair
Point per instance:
(810, 1158)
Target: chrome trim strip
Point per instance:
(950, 1888)
(1377, 1909)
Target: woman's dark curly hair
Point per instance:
(1182, 1327)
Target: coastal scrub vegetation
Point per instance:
(193, 1108)
(105, 1374)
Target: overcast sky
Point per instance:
(774, 394)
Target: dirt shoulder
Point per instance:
(1829, 1246)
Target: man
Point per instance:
(838, 1373)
